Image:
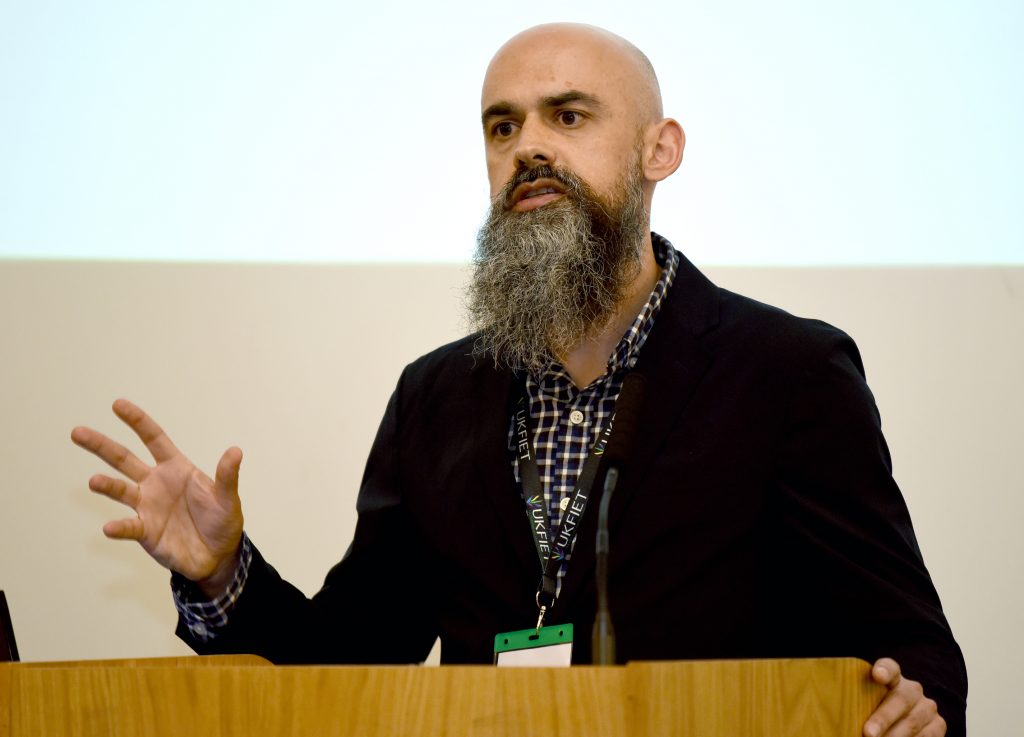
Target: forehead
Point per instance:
(527, 70)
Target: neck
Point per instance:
(589, 360)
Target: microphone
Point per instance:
(627, 413)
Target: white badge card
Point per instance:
(549, 647)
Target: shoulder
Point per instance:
(761, 330)
(741, 331)
(450, 380)
(792, 358)
(453, 358)
(722, 320)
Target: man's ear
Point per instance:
(664, 150)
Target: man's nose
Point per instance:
(533, 147)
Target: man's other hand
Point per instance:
(905, 710)
(185, 520)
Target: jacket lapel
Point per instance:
(493, 469)
(672, 361)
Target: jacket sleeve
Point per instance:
(862, 577)
(375, 604)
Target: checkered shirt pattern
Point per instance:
(567, 421)
(204, 617)
(561, 446)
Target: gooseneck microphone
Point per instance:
(624, 431)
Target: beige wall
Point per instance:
(295, 363)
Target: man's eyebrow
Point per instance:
(498, 109)
(573, 96)
(503, 107)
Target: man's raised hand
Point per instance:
(185, 520)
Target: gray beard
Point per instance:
(547, 280)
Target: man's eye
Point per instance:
(569, 117)
(503, 129)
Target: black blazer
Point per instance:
(757, 517)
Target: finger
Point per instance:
(897, 704)
(936, 728)
(886, 672)
(113, 454)
(124, 529)
(922, 720)
(146, 428)
(227, 472)
(116, 489)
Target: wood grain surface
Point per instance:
(246, 696)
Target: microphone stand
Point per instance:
(603, 636)
(627, 420)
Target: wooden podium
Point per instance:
(248, 697)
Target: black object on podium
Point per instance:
(8, 647)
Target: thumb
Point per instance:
(227, 472)
(886, 672)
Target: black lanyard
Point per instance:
(552, 554)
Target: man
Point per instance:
(756, 516)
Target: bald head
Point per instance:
(580, 46)
(578, 98)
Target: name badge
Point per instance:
(549, 647)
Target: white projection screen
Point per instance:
(818, 133)
(248, 217)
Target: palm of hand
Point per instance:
(185, 526)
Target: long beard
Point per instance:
(547, 280)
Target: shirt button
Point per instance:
(199, 629)
(564, 504)
(575, 417)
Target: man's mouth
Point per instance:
(531, 195)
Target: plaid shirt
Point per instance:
(566, 420)
(202, 616)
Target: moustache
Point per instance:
(572, 184)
